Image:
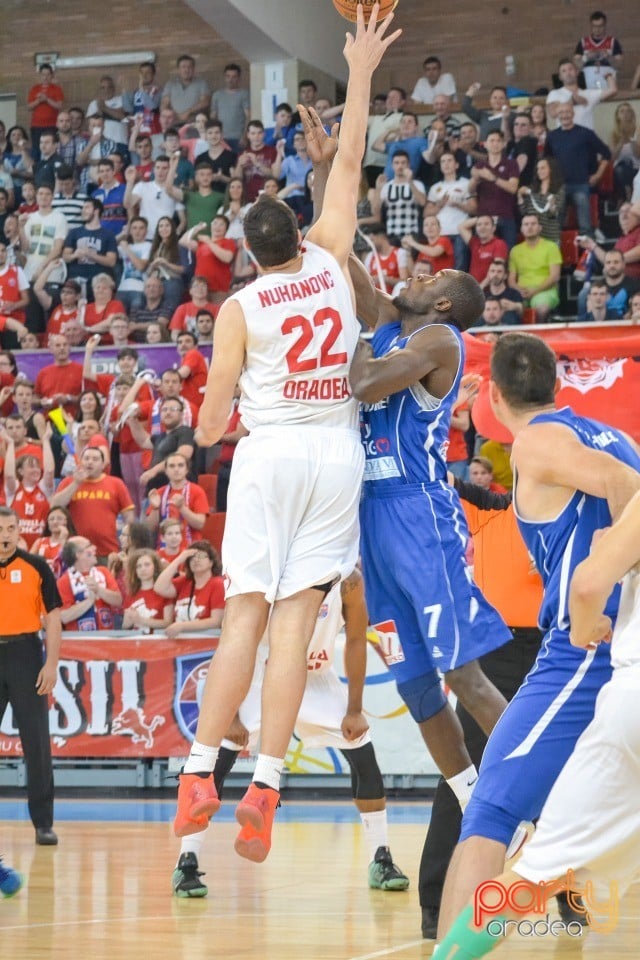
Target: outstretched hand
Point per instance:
(321, 146)
(366, 49)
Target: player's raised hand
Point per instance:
(321, 146)
(365, 50)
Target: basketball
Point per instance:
(348, 8)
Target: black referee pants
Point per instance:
(20, 663)
(506, 667)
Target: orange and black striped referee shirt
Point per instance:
(27, 590)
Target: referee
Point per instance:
(29, 598)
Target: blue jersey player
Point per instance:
(430, 616)
(572, 475)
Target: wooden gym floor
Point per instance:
(104, 893)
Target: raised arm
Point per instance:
(336, 225)
(373, 306)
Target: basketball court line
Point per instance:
(95, 921)
(390, 950)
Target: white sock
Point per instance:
(462, 785)
(201, 759)
(192, 843)
(268, 770)
(375, 830)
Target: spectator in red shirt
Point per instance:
(15, 430)
(95, 500)
(457, 453)
(214, 254)
(495, 182)
(133, 459)
(59, 383)
(65, 318)
(388, 264)
(193, 368)
(484, 247)
(89, 592)
(144, 609)
(57, 530)
(28, 484)
(179, 499)
(44, 101)
(437, 251)
(184, 317)
(171, 535)
(198, 595)
(97, 315)
(255, 164)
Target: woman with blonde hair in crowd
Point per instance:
(97, 315)
(625, 149)
(144, 609)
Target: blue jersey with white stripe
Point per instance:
(559, 545)
(406, 435)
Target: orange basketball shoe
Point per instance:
(197, 802)
(255, 814)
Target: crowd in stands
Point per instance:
(121, 224)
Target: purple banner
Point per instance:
(156, 357)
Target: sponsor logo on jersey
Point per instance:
(389, 642)
(323, 612)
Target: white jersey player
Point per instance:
(596, 850)
(330, 716)
(292, 527)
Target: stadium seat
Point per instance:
(528, 316)
(213, 529)
(209, 483)
(569, 248)
(571, 222)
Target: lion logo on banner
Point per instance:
(583, 375)
(133, 723)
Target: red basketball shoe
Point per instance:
(255, 814)
(197, 803)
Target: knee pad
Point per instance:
(423, 696)
(366, 779)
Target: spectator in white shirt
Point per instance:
(449, 201)
(584, 101)
(150, 198)
(433, 82)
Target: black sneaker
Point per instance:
(566, 911)
(430, 917)
(185, 879)
(383, 873)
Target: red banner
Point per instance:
(598, 370)
(133, 697)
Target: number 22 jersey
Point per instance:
(301, 336)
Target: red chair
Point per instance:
(571, 222)
(209, 483)
(213, 529)
(569, 248)
(607, 181)
(528, 316)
